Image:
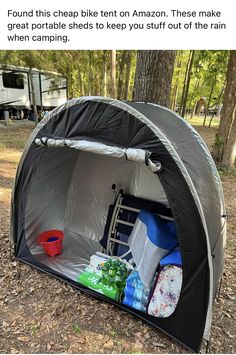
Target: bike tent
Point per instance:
(64, 181)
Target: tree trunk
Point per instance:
(224, 150)
(229, 152)
(96, 86)
(196, 102)
(209, 100)
(127, 75)
(90, 74)
(113, 74)
(175, 95)
(194, 110)
(6, 118)
(192, 96)
(186, 83)
(33, 97)
(104, 74)
(176, 87)
(121, 75)
(217, 105)
(153, 76)
(80, 82)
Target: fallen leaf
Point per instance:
(23, 338)
(109, 344)
(159, 345)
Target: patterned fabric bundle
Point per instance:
(168, 286)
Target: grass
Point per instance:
(198, 121)
(15, 136)
(113, 333)
(76, 328)
(231, 172)
(34, 329)
(11, 144)
(19, 144)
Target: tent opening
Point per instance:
(78, 175)
(76, 191)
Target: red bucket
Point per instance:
(51, 241)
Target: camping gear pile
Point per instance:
(151, 239)
(105, 275)
(152, 245)
(70, 177)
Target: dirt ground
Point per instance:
(39, 314)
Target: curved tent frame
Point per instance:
(189, 178)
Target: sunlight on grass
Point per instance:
(11, 142)
(6, 174)
(10, 156)
(198, 121)
(5, 192)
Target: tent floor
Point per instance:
(74, 258)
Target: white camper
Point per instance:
(16, 90)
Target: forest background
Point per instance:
(198, 84)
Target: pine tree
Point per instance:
(153, 77)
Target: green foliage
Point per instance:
(226, 171)
(87, 72)
(2, 145)
(113, 333)
(76, 328)
(207, 76)
(219, 141)
(34, 329)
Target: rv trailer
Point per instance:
(16, 99)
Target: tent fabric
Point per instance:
(188, 184)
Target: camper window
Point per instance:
(13, 81)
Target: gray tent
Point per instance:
(64, 181)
